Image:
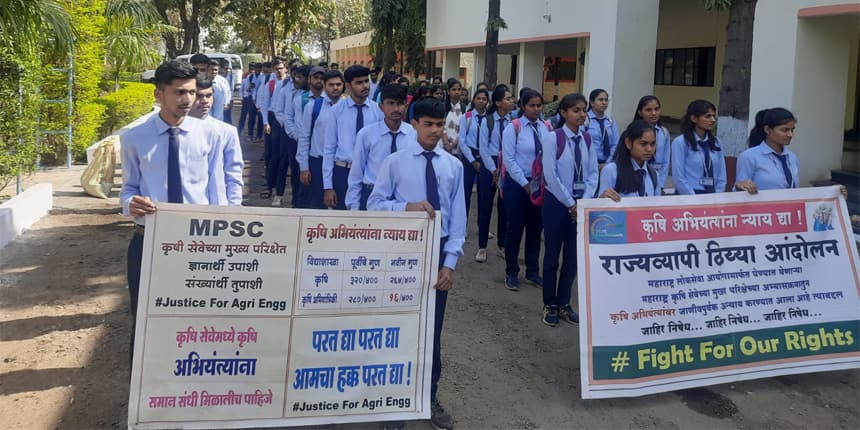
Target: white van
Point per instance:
(235, 63)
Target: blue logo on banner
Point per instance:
(607, 227)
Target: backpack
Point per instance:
(538, 186)
(518, 126)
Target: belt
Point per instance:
(346, 164)
(476, 154)
(139, 229)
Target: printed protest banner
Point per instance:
(685, 292)
(253, 317)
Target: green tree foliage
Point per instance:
(338, 19)
(275, 27)
(27, 28)
(398, 25)
(131, 101)
(132, 36)
(185, 15)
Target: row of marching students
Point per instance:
(543, 169)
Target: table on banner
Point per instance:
(684, 292)
(272, 317)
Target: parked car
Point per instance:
(148, 76)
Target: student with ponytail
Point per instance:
(630, 174)
(521, 145)
(474, 133)
(501, 103)
(570, 172)
(768, 164)
(698, 163)
(601, 127)
(649, 110)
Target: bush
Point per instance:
(124, 106)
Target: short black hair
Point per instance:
(224, 62)
(203, 83)
(323, 64)
(403, 79)
(303, 70)
(214, 62)
(166, 73)
(394, 92)
(258, 65)
(334, 64)
(267, 65)
(277, 61)
(428, 107)
(332, 74)
(199, 59)
(355, 71)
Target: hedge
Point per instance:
(132, 100)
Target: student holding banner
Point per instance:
(768, 164)
(698, 162)
(170, 158)
(570, 172)
(630, 174)
(399, 188)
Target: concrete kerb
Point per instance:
(23, 210)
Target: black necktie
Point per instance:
(174, 177)
(536, 138)
(709, 168)
(359, 118)
(605, 142)
(577, 152)
(430, 177)
(478, 138)
(394, 141)
(501, 129)
(641, 173)
(789, 180)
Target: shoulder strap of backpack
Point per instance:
(316, 112)
(560, 142)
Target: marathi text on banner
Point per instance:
(291, 317)
(684, 293)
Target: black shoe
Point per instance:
(439, 419)
(568, 314)
(535, 280)
(394, 425)
(550, 315)
(512, 282)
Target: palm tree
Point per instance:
(132, 35)
(26, 24)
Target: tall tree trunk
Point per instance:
(388, 54)
(733, 111)
(492, 48)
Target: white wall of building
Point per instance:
(802, 64)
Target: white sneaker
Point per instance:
(491, 236)
(481, 256)
(276, 201)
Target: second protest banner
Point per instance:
(266, 317)
(678, 293)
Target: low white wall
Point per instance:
(24, 210)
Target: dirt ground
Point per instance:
(64, 330)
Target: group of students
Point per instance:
(354, 153)
(535, 171)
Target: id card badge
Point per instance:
(578, 189)
(534, 186)
(707, 181)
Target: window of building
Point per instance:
(561, 69)
(691, 67)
